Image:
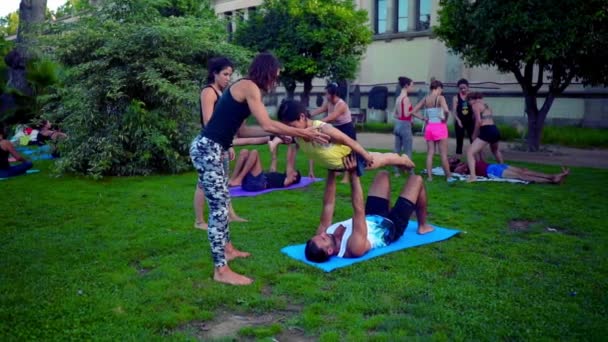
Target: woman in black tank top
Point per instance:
(463, 114)
(219, 72)
(242, 99)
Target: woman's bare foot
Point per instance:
(201, 225)
(560, 178)
(234, 183)
(233, 253)
(425, 229)
(405, 162)
(236, 218)
(227, 276)
(471, 179)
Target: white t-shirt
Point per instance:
(378, 228)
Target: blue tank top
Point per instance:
(226, 120)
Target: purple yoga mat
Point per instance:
(304, 182)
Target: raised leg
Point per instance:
(387, 159)
(497, 153)
(252, 164)
(473, 150)
(415, 192)
(238, 166)
(273, 146)
(381, 187)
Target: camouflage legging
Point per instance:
(207, 158)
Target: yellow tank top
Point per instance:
(327, 155)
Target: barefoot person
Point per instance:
(486, 133)
(403, 120)
(331, 155)
(462, 111)
(236, 104)
(219, 73)
(6, 150)
(338, 114)
(436, 130)
(373, 224)
(250, 176)
(505, 171)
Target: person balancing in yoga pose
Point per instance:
(238, 102)
(373, 225)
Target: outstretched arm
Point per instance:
(11, 149)
(417, 109)
(338, 110)
(319, 110)
(358, 244)
(329, 202)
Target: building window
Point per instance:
(424, 19)
(229, 26)
(402, 15)
(381, 21)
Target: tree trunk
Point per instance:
(290, 88)
(31, 13)
(305, 98)
(536, 120)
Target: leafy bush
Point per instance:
(133, 75)
(576, 137)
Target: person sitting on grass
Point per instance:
(6, 150)
(373, 225)
(333, 154)
(508, 172)
(249, 174)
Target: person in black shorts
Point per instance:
(461, 109)
(249, 174)
(373, 225)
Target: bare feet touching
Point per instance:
(425, 229)
(227, 276)
(200, 225)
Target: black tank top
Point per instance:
(462, 109)
(227, 118)
(217, 97)
(4, 164)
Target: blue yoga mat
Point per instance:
(304, 182)
(409, 239)
(29, 172)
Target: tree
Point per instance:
(130, 97)
(553, 41)
(31, 15)
(312, 38)
(9, 24)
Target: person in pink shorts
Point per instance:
(436, 112)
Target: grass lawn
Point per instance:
(118, 259)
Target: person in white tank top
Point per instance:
(373, 225)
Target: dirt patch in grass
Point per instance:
(228, 325)
(520, 225)
(142, 271)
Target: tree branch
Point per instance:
(567, 81)
(520, 78)
(541, 74)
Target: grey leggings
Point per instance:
(207, 158)
(403, 138)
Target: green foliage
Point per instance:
(130, 101)
(119, 259)
(576, 137)
(261, 332)
(312, 38)
(566, 38)
(72, 7)
(9, 24)
(43, 77)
